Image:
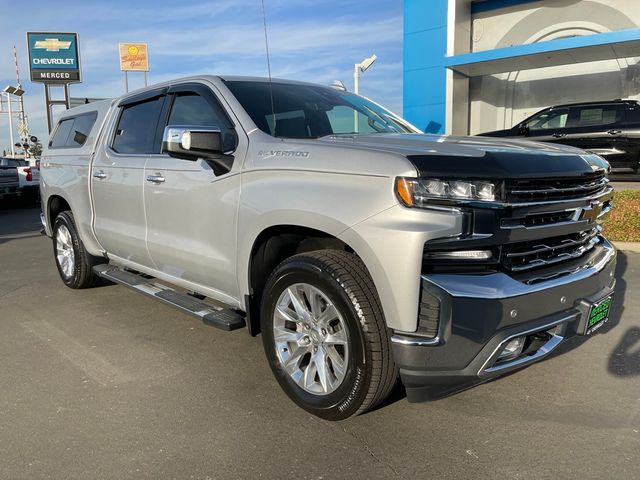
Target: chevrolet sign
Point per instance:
(53, 57)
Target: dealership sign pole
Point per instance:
(54, 59)
(134, 57)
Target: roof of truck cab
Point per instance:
(240, 78)
(210, 78)
(597, 102)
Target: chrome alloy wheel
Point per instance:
(64, 251)
(311, 339)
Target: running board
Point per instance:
(223, 318)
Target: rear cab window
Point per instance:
(73, 131)
(13, 162)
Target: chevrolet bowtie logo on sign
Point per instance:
(53, 57)
(52, 45)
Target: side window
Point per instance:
(553, 119)
(73, 132)
(342, 120)
(193, 109)
(136, 128)
(59, 138)
(81, 129)
(598, 115)
(291, 124)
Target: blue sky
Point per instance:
(312, 41)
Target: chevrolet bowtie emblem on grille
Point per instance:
(52, 44)
(592, 212)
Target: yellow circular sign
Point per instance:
(133, 50)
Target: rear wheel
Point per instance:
(75, 265)
(324, 334)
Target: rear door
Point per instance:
(598, 129)
(117, 178)
(191, 207)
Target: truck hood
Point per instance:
(479, 157)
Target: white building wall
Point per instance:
(501, 101)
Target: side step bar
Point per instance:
(223, 318)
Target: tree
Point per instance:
(35, 149)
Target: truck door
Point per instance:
(548, 125)
(117, 178)
(191, 207)
(598, 128)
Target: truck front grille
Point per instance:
(554, 189)
(521, 256)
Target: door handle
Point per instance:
(559, 135)
(614, 132)
(155, 179)
(100, 175)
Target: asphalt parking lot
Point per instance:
(105, 383)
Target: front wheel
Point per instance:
(324, 334)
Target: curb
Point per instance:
(628, 246)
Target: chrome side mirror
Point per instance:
(192, 142)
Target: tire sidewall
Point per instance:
(346, 399)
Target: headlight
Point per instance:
(417, 192)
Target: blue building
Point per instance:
(474, 66)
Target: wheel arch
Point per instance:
(55, 204)
(271, 246)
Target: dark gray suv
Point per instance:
(610, 129)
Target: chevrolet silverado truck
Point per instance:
(28, 176)
(359, 248)
(9, 180)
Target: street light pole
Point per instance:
(357, 68)
(13, 148)
(18, 92)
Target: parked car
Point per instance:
(610, 129)
(9, 181)
(357, 256)
(28, 176)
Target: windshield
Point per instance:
(310, 111)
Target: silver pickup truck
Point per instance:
(360, 248)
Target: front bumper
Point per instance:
(479, 313)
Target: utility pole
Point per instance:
(23, 126)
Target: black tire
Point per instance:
(82, 275)
(371, 373)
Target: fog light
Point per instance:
(512, 349)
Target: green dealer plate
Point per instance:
(598, 314)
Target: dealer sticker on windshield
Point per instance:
(598, 314)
